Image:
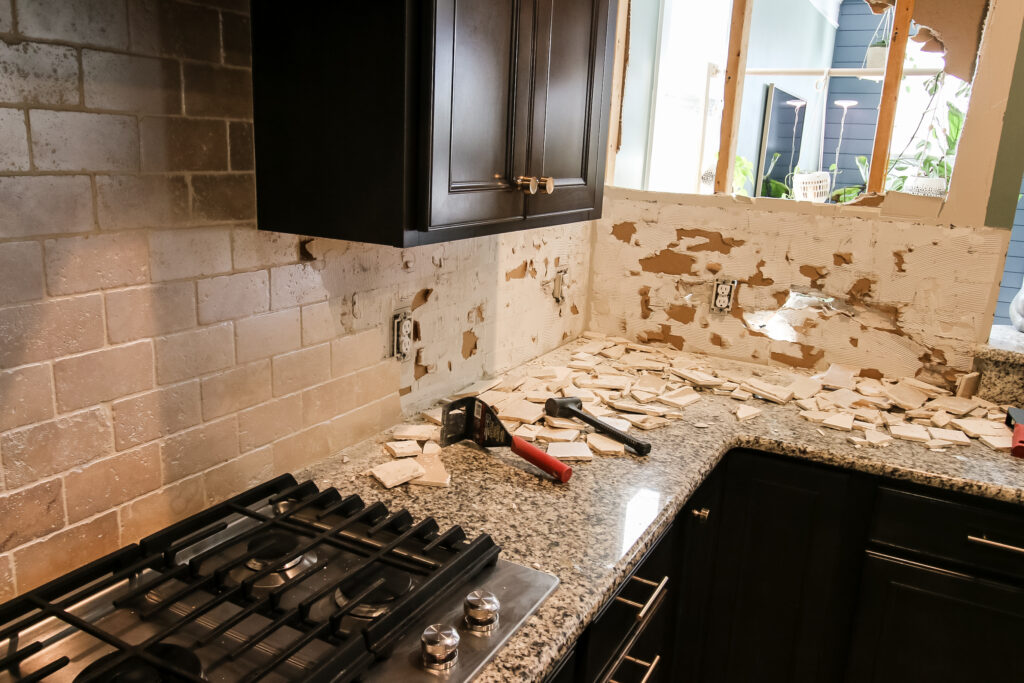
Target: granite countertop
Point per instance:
(592, 531)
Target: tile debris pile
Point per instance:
(646, 386)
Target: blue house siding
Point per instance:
(857, 25)
(1013, 273)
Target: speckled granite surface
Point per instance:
(1001, 364)
(591, 531)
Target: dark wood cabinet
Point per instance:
(923, 623)
(783, 584)
(412, 122)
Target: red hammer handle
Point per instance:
(553, 466)
(1017, 443)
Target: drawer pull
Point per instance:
(639, 662)
(646, 607)
(995, 544)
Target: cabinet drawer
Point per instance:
(949, 530)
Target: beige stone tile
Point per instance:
(356, 351)
(268, 335)
(50, 329)
(239, 475)
(103, 375)
(44, 205)
(363, 422)
(240, 143)
(269, 421)
(317, 323)
(47, 74)
(93, 22)
(108, 483)
(224, 197)
(302, 449)
(66, 550)
(26, 396)
(297, 284)
(329, 400)
(302, 369)
(7, 588)
(156, 413)
(217, 91)
(81, 141)
(21, 272)
(238, 388)
(197, 352)
(177, 144)
(47, 448)
(128, 83)
(377, 381)
(162, 508)
(233, 296)
(83, 264)
(199, 448)
(177, 254)
(13, 141)
(258, 248)
(175, 29)
(30, 513)
(146, 201)
(150, 311)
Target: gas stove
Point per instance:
(281, 583)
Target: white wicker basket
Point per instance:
(811, 187)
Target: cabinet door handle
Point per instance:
(639, 662)
(701, 515)
(646, 607)
(995, 544)
(527, 184)
(547, 185)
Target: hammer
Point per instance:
(570, 407)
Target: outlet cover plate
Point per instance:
(722, 296)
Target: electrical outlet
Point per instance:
(721, 296)
(559, 284)
(401, 334)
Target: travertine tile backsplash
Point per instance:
(158, 354)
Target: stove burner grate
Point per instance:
(154, 668)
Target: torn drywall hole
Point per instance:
(668, 262)
(304, 253)
(574, 309)
(416, 330)
(815, 274)
(475, 315)
(796, 316)
(717, 340)
(854, 342)
(408, 259)
(517, 273)
(809, 356)
(758, 279)
(682, 313)
(402, 391)
(645, 302)
(469, 340)
(420, 298)
(900, 261)
(713, 268)
(859, 291)
(842, 258)
(419, 370)
(714, 240)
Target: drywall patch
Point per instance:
(469, 340)
(624, 231)
(815, 274)
(668, 262)
(681, 313)
(809, 357)
(645, 302)
(842, 258)
(715, 241)
(758, 279)
(517, 273)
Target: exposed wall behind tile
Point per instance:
(157, 353)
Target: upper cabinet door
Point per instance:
(572, 62)
(480, 109)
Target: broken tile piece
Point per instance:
(434, 472)
(910, 432)
(877, 438)
(978, 427)
(941, 419)
(804, 387)
(953, 405)
(576, 450)
(953, 436)
(747, 412)
(561, 422)
(605, 445)
(905, 396)
(476, 388)
(527, 432)
(816, 416)
(394, 472)
(403, 449)
(646, 421)
(617, 423)
(771, 392)
(840, 377)
(740, 395)
(680, 398)
(807, 403)
(696, 377)
(431, 448)
(522, 411)
(840, 421)
(432, 416)
(551, 434)
(420, 432)
(997, 443)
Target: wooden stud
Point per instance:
(739, 32)
(902, 15)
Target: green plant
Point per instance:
(935, 150)
(742, 175)
(884, 42)
(848, 194)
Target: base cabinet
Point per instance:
(922, 623)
